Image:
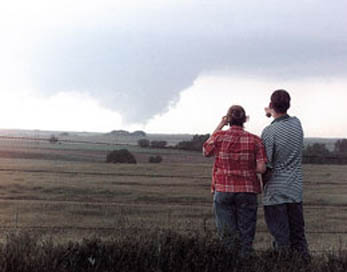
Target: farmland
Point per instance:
(68, 192)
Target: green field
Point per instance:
(67, 192)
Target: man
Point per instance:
(239, 156)
(283, 209)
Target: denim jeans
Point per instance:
(286, 224)
(236, 218)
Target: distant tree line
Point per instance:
(318, 153)
(154, 144)
(137, 133)
(195, 144)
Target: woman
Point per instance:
(239, 156)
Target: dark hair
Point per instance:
(280, 100)
(236, 115)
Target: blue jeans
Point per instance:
(286, 224)
(236, 218)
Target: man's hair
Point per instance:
(237, 115)
(280, 100)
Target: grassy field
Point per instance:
(67, 192)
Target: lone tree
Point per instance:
(120, 156)
(143, 143)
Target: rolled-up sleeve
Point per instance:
(260, 154)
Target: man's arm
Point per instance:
(260, 156)
(269, 144)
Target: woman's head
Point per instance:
(236, 115)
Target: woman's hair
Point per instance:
(236, 115)
(280, 101)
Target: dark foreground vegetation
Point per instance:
(155, 251)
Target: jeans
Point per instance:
(236, 218)
(286, 224)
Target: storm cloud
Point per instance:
(137, 60)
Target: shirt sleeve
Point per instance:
(210, 146)
(269, 144)
(260, 154)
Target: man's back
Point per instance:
(283, 141)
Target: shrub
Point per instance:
(143, 142)
(120, 156)
(158, 144)
(53, 139)
(155, 159)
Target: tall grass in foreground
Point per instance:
(155, 251)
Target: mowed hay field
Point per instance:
(67, 191)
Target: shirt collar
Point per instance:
(279, 119)
(233, 127)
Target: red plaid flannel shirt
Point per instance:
(236, 152)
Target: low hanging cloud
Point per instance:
(137, 63)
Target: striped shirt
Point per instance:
(283, 141)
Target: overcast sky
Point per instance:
(170, 66)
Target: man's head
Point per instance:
(236, 115)
(280, 101)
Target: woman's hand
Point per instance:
(223, 122)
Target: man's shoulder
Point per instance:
(292, 122)
(274, 125)
(291, 119)
(295, 119)
(269, 129)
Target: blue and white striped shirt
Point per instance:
(284, 143)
